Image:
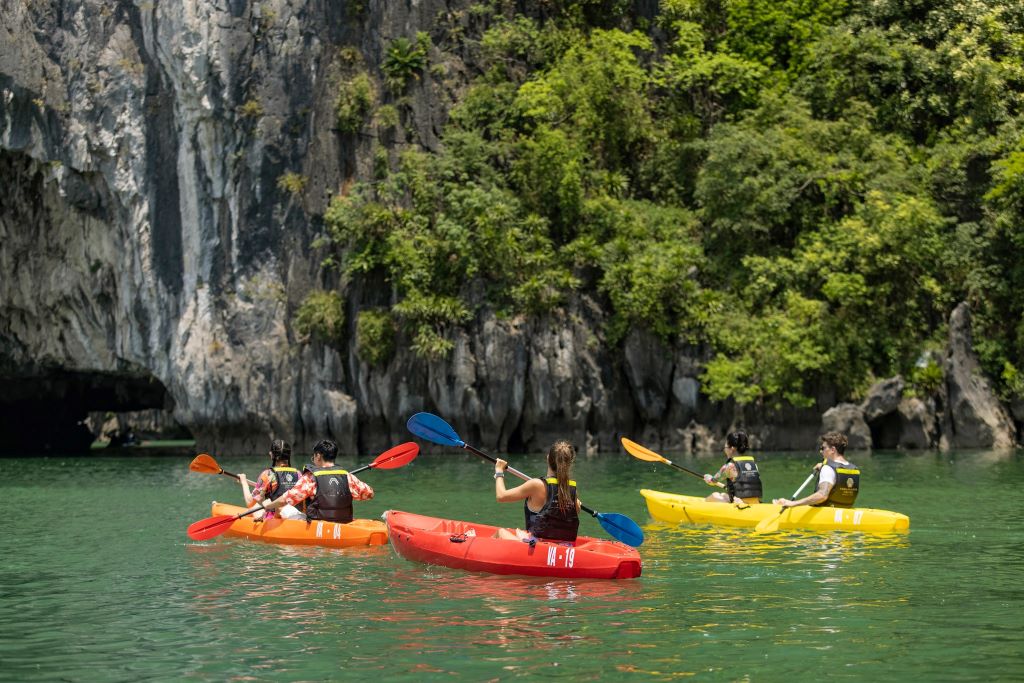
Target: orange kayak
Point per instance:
(293, 532)
(470, 546)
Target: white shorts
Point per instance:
(292, 512)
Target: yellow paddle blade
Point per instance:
(205, 464)
(641, 453)
(769, 524)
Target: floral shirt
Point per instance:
(265, 485)
(306, 488)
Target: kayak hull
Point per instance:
(471, 547)
(358, 532)
(679, 509)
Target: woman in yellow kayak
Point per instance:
(551, 506)
(743, 481)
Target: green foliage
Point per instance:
(927, 377)
(292, 183)
(404, 60)
(251, 109)
(387, 116)
(771, 356)
(320, 317)
(375, 336)
(355, 100)
(806, 187)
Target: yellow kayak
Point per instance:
(672, 507)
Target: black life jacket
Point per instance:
(333, 500)
(844, 491)
(550, 523)
(286, 478)
(747, 483)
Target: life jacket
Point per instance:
(747, 483)
(333, 500)
(285, 478)
(550, 523)
(844, 491)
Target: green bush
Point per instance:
(292, 183)
(250, 109)
(375, 337)
(927, 377)
(404, 60)
(355, 100)
(321, 317)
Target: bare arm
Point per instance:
(533, 489)
(819, 496)
(245, 490)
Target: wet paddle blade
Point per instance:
(205, 464)
(432, 428)
(621, 527)
(210, 527)
(397, 456)
(769, 524)
(640, 452)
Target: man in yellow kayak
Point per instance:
(838, 478)
(329, 489)
(743, 481)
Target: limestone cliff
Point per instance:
(154, 251)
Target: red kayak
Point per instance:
(469, 546)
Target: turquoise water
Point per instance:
(98, 582)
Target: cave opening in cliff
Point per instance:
(885, 431)
(66, 412)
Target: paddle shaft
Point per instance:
(772, 523)
(230, 474)
(519, 474)
(806, 482)
(696, 474)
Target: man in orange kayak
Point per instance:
(329, 489)
(742, 479)
(838, 478)
(274, 481)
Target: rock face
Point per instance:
(975, 417)
(165, 169)
(964, 413)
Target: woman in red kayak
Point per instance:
(551, 505)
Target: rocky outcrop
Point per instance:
(963, 413)
(848, 418)
(975, 417)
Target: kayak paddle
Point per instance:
(207, 465)
(432, 428)
(770, 524)
(641, 453)
(390, 459)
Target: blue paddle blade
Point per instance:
(432, 428)
(621, 527)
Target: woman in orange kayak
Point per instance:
(551, 505)
(274, 481)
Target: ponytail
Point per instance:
(560, 458)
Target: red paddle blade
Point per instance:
(396, 456)
(210, 527)
(205, 464)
